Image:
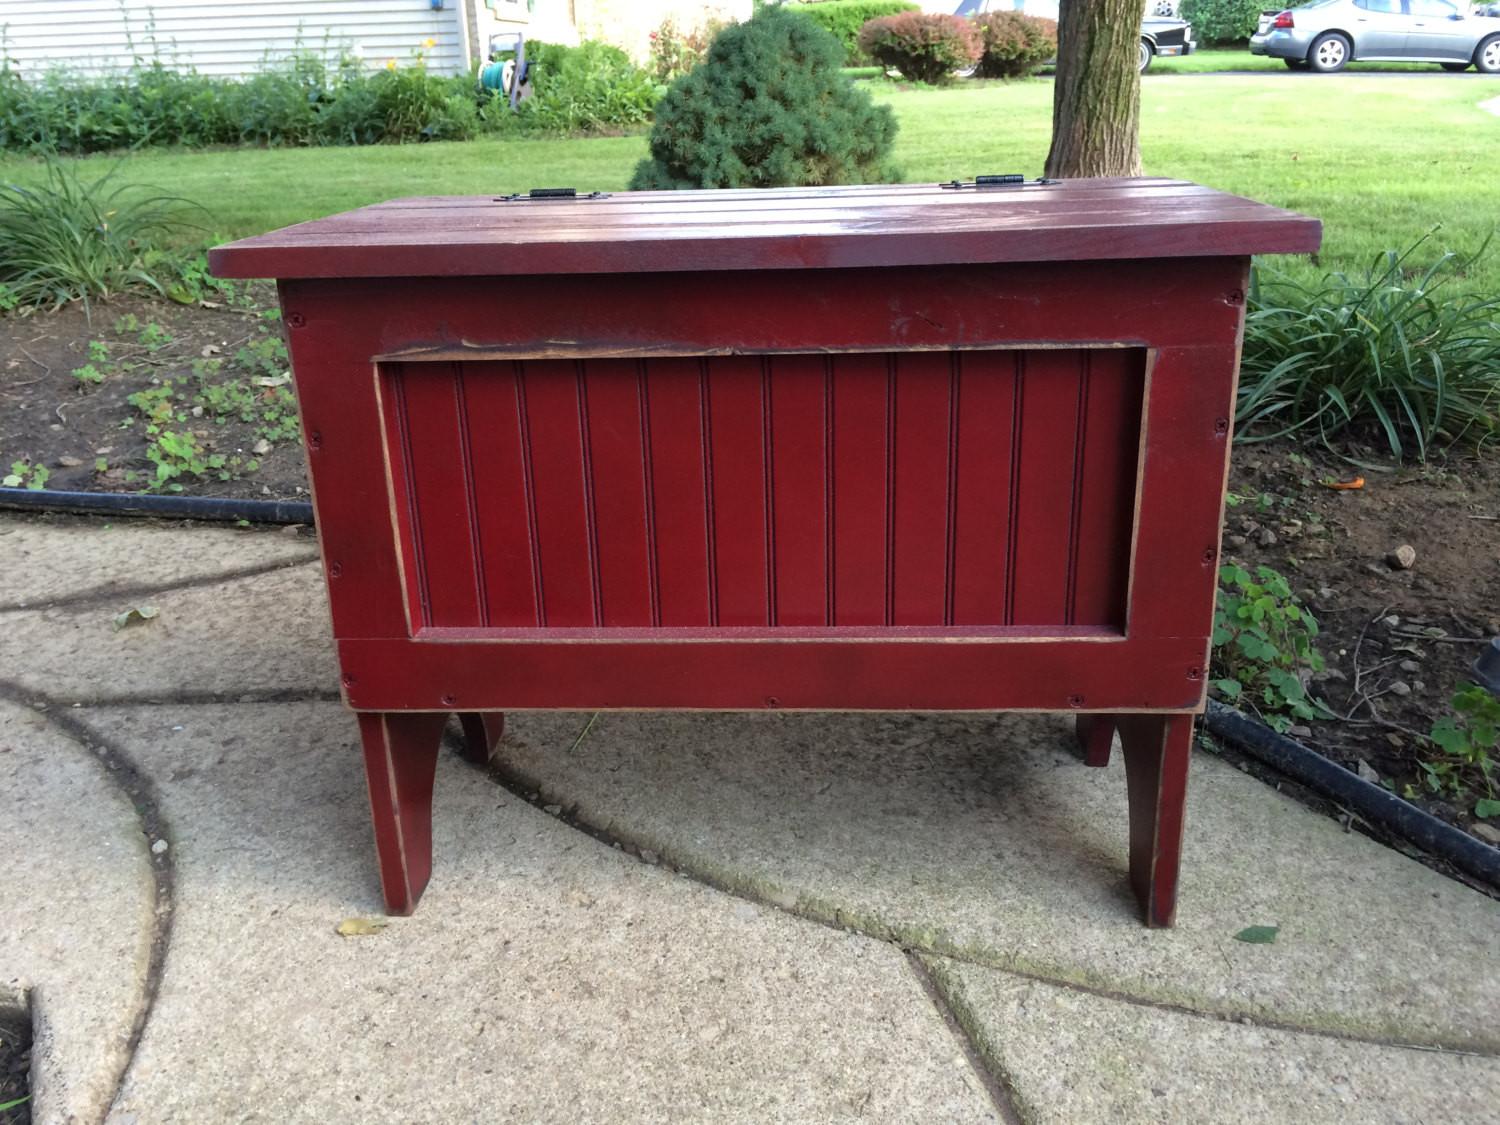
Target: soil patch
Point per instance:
(209, 390)
(15, 1066)
(1398, 640)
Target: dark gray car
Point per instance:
(1326, 34)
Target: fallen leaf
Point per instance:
(360, 927)
(139, 613)
(580, 898)
(274, 380)
(208, 350)
(1257, 935)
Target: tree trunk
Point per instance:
(1096, 101)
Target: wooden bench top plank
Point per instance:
(787, 228)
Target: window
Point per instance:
(1433, 9)
(1386, 7)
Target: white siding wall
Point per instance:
(228, 37)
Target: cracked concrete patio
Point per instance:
(676, 917)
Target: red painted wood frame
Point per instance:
(581, 565)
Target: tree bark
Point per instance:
(1096, 100)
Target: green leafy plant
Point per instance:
(154, 336)
(923, 47)
(415, 105)
(26, 474)
(1015, 44)
(768, 108)
(1262, 640)
(591, 88)
(1468, 738)
(845, 17)
(676, 50)
(1222, 21)
(72, 238)
(1386, 351)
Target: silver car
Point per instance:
(1326, 34)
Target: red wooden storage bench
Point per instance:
(930, 447)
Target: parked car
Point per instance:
(1326, 34)
(1159, 35)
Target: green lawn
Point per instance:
(1381, 160)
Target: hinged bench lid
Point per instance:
(780, 228)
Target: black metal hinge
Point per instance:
(551, 193)
(1013, 179)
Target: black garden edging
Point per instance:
(155, 504)
(1371, 802)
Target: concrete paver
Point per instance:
(77, 907)
(46, 560)
(1078, 1059)
(546, 976)
(986, 837)
(262, 634)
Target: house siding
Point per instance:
(98, 37)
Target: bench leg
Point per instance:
(1095, 734)
(482, 731)
(401, 752)
(1156, 750)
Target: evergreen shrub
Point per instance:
(923, 47)
(768, 108)
(845, 17)
(1222, 21)
(1015, 44)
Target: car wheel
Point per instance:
(1329, 53)
(1487, 58)
(1455, 67)
(1146, 55)
(1295, 64)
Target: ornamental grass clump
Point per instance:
(923, 47)
(1015, 44)
(70, 238)
(768, 108)
(1385, 352)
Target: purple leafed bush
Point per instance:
(923, 47)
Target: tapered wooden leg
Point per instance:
(1156, 749)
(401, 752)
(1095, 734)
(482, 732)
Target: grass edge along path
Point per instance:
(1382, 160)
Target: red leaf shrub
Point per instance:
(923, 47)
(1015, 44)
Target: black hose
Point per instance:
(154, 504)
(1371, 802)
